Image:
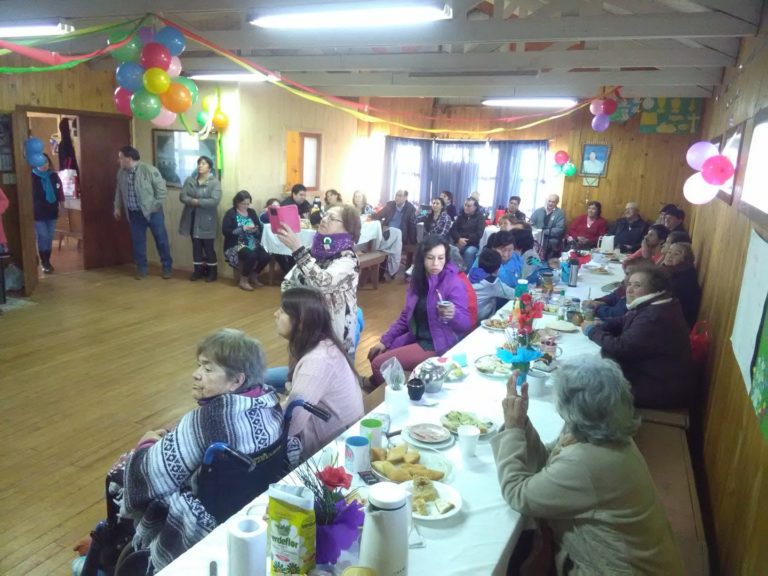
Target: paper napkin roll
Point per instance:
(247, 545)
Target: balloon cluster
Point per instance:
(212, 113)
(713, 170)
(33, 152)
(563, 165)
(601, 109)
(149, 84)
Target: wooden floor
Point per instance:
(98, 360)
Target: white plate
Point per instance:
(445, 492)
(441, 446)
(563, 326)
(428, 433)
(505, 373)
(489, 424)
(493, 328)
(431, 459)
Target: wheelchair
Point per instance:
(227, 481)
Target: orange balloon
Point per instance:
(177, 98)
(220, 120)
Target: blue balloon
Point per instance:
(36, 160)
(130, 76)
(172, 39)
(33, 146)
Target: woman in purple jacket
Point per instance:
(424, 328)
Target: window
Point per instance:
(487, 159)
(531, 190)
(408, 170)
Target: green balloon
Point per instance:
(145, 105)
(202, 117)
(569, 169)
(191, 86)
(128, 52)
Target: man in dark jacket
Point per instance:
(630, 230)
(673, 220)
(299, 197)
(650, 342)
(400, 214)
(467, 231)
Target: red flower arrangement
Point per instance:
(338, 518)
(529, 311)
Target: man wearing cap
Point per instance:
(673, 220)
(630, 230)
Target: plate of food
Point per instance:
(429, 446)
(428, 433)
(455, 418)
(495, 324)
(455, 373)
(403, 462)
(601, 270)
(433, 500)
(489, 365)
(563, 326)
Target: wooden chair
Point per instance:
(71, 226)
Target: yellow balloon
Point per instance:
(156, 80)
(209, 103)
(220, 121)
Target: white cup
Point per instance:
(537, 384)
(371, 428)
(357, 454)
(468, 437)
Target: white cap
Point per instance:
(387, 495)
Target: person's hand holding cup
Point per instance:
(445, 310)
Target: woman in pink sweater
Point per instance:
(319, 371)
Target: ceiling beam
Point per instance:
(748, 10)
(500, 61)
(607, 27)
(481, 92)
(677, 77)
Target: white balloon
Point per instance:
(697, 191)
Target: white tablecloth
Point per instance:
(370, 231)
(479, 539)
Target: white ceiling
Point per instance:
(512, 48)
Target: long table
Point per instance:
(370, 231)
(481, 537)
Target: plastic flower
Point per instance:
(335, 477)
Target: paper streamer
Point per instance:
(247, 546)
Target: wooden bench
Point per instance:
(369, 266)
(665, 449)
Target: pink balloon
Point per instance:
(699, 152)
(609, 106)
(175, 68)
(165, 118)
(122, 100)
(596, 106)
(561, 157)
(717, 170)
(600, 123)
(697, 191)
(155, 55)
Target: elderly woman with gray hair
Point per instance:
(591, 487)
(159, 480)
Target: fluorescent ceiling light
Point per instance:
(354, 15)
(244, 77)
(31, 29)
(531, 102)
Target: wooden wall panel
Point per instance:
(735, 454)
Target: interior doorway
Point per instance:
(67, 250)
(86, 229)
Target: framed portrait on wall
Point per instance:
(594, 159)
(175, 154)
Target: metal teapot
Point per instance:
(433, 375)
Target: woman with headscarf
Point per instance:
(47, 194)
